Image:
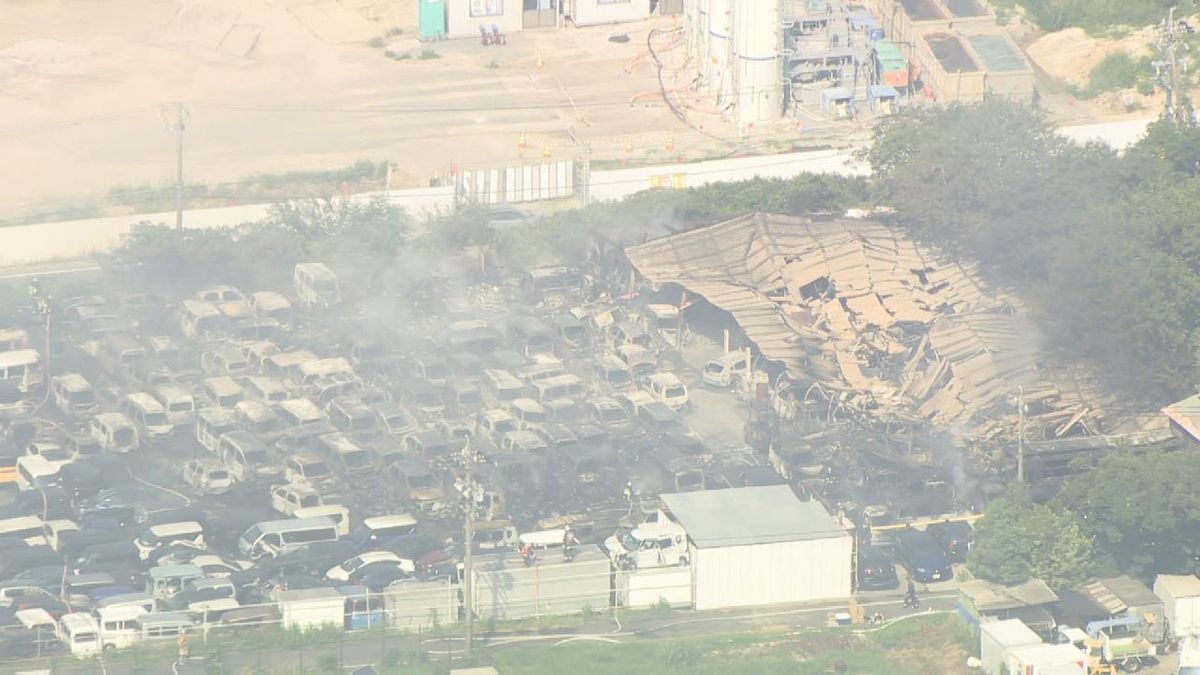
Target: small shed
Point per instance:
(311, 608)
(837, 102)
(1032, 602)
(464, 17)
(882, 98)
(596, 12)
(757, 546)
(997, 638)
(1184, 418)
(1126, 597)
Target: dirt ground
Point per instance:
(87, 92)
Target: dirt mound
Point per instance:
(1071, 54)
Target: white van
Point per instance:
(259, 419)
(118, 625)
(266, 389)
(223, 391)
(567, 385)
(668, 388)
(650, 544)
(148, 415)
(272, 537)
(500, 387)
(340, 515)
(299, 412)
(639, 360)
(178, 404)
(272, 305)
(22, 367)
(29, 528)
(246, 457)
(316, 285)
(81, 633)
(211, 424)
(727, 370)
(73, 396)
(35, 472)
(188, 533)
(115, 432)
(200, 320)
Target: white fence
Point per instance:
(514, 184)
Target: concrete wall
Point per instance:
(82, 238)
(653, 586)
(461, 23)
(592, 12)
(620, 183)
(506, 589)
(422, 605)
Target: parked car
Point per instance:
(923, 556)
(207, 476)
(876, 570)
(955, 537)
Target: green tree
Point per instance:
(1142, 509)
(1018, 540)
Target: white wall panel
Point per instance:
(767, 574)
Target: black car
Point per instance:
(955, 537)
(876, 570)
(923, 556)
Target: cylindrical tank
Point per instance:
(720, 77)
(756, 75)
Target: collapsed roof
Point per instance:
(854, 305)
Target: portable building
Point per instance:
(890, 65)
(594, 12)
(757, 546)
(311, 608)
(505, 588)
(882, 98)
(997, 638)
(837, 101)
(1181, 602)
(464, 17)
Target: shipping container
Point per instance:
(1181, 599)
(997, 638)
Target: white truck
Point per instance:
(651, 544)
(728, 370)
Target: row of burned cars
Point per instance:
(184, 459)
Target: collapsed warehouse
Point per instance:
(889, 333)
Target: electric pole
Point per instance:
(179, 128)
(1020, 434)
(468, 570)
(1167, 69)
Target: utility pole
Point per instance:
(1020, 434)
(179, 128)
(1167, 69)
(468, 569)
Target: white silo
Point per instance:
(720, 78)
(756, 76)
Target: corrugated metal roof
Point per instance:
(750, 515)
(1186, 414)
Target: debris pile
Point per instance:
(898, 331)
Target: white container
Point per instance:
(1046, 660)
(1181, 602)
(997, 638)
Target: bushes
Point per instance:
(1095, 15)
(1117, 71)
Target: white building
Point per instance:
(761, 546)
